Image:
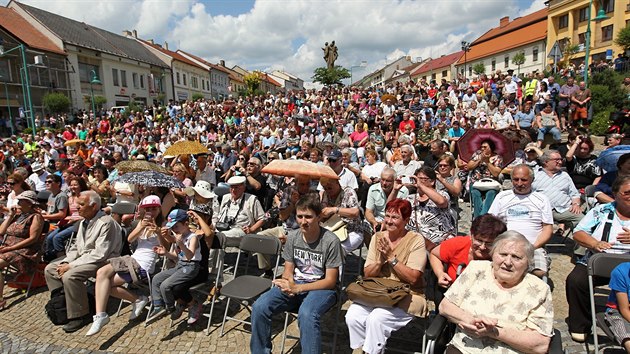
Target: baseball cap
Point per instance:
(335, 155)
(150, 201)
(176, 216)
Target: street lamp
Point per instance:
(93, 81)
(466, 49)
(26, 83)
(362, 65)
(601, 15)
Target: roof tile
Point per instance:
(438, 63)
(19, 27)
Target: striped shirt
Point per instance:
(559, 188)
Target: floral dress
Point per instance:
(24, 259)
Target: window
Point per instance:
(134, 79)
(123, 78)
(433, 76)
(607, 33)
(506, 61)
(535, 54)
(608, 5)
(562, 43)
(563, 21)
(494, 64)
(444, 74)
(583, 15)
(184, 79)
(141, 81)
(470, 71)
(178, 80)
(115, 76)
(582, 38)
(85, 71)
(203, 84)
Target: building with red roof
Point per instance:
(438, 68)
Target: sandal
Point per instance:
(215, 291)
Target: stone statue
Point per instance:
(330, 54)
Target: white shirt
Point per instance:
(526, 213)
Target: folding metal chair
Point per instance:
(247, 288)
(601, 265)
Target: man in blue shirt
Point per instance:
(454, 133)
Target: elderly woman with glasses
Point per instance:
(447, 257)
(519, 316)
(447, 178)
(603, 229)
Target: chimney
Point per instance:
(504, 21)
(222, 63)
(135, 34)
(165, 45)
(126, 33)
(150, 41)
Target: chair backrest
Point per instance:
(602, 264)
(261, 244)
(220, 240)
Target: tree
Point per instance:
(56, 102)
(568, 51)
(197, 95)
(623, 38)
(479, 68)
(518, 59)
(252, 81)
(333, 76)
(99, 101)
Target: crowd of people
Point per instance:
(400, 185)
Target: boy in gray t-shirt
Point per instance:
(311, 272)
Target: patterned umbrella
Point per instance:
(151, 179)
(607, 159)
(186, 147)
(73, 142)
(470, 142)
(138, 166)
(291, 168)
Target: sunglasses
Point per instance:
(12, 183)
(332, 160)
(49, 181)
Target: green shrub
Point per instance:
(56, 102)
(600, 122)
(197, 95)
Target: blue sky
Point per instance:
(289, 34)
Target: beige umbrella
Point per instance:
(291, 168)
(73, 142)
(186, 147)
(138, 166)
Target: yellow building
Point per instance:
(567, 23)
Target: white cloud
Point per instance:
(535, 6)
(290, 34)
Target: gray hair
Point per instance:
(515, 236)
(389, 170)
(407, 146)
(93, 198)
(546, 156)
(522, 165)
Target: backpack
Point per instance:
(56, 307)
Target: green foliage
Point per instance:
(479, 68)
(333, 76)
(252, 81)
(600, 122)
(623, 38)
(160, 98)
(197, 96)
(99, 101)
(28, 131)
(56, 102)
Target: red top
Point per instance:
(403, 124)
(454, 252)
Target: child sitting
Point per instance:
(617, 307)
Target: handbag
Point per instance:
(337, 226)
(486, 184)
(377, 292)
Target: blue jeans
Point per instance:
(311, 307)
(163, 283)
(480, 205)
(56, 240)
(553, 130)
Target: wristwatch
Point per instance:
(393, 262)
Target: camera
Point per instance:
(222, 226)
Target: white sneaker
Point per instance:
(97, 324)
(137, 307)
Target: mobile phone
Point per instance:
(406, 180)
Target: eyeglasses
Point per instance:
(252, 164)
(49, 181)
(241, 159)
(558, 159)
(485, 244)
(12, 183)
(423, 178)
(332, 160)
(444, 165)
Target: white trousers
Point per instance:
(370, 327)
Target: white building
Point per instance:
(289, 82)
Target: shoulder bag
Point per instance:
(377, 292)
